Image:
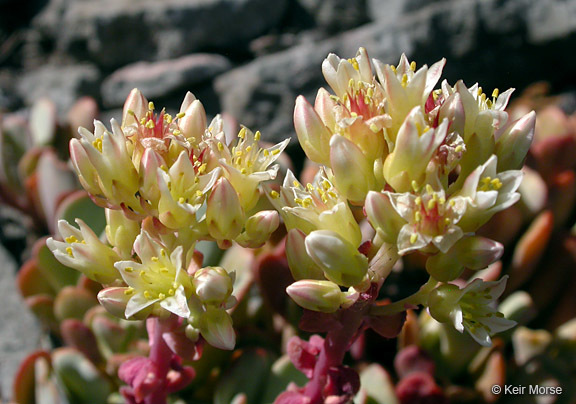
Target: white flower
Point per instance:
(431, 219)
(488, 192)
(471, 309)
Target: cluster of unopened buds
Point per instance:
(404, 168)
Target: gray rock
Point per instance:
(116, 32)
(158, 79)
(337, 15)
(62, 84)
(496, 43)
(20, 333)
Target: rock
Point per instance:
(491, 42)
(20, 333)
(158, 79)
(62, 84)
(337, 15)
(113, 33)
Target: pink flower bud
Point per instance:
(513, 144)
(258, 228)
(193, 124)
(135, 107)
(224, 214)
(323, 296)
(313, 135)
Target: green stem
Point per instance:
(416, 299)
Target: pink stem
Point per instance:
(161, 355)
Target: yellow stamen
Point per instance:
(180, 115)
(150, 124)
(413, 66)
(161, 296)
(151, 106)
(69, 251)
(274, 195)
(242, 133)
(413, 238)
(495, 93)
(404, 80)
(97, 143)
(129, 291)
(168, 118)
(354, 64)
(129, 269)
(71, 239)
(257, 135)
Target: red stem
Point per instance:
(161, 355)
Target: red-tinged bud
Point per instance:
(313, 135)
(224, 214)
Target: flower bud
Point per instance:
(313, 135)
(193, 124)
(135, 107)
(383, 217)
(338, 258)
(224, 215)
(216, 328)
(213, 285)
(258, 228)
(323, 296)
(192, 333)
(300, 263)
(353, 173)
(513, 144)
(121, 231)
(471, 252)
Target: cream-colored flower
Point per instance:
(431, 219)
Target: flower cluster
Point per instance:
(166, 183)
(428, 166)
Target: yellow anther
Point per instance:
(295, 183)
(480, 91)
(266, 152)
(274, 195)
(170, 292)
(243, 171)
(326, 184)
(147, 295)
(429, 189)
(417, 216)
(393, 68)
(452, 202)
(257, 135)
(458, 148)
(154, 259)
(151, 106)
(351, 83)
(176, 132)
(181, 200)
(168, 118)
(129, 291)
(150, 124)
(413, 66)
(129, 269)
(202, 168)
(175, 285)
(489, 103)
(413, 238)
(199, 193)
(354, 64)
(370, 92)
(483, 97)
(71, 239)
(97, 143)
(180, 115)
(431, 204)
(496, 184)
(220, 146)
(69, 251)
(142, 121)
(299, 201)
(442, 200)
(130, 112)
(353, 114)
(248, 149)
(239, 152)
(276, 152)
(404, 80)
(418, 200)
(162, 252)
(242, 133)
(374, 128)
(161, 296)
(306, 202)
(495, 93)
(414, 185)
(331, 194)
(447, 221)
(142, 274)
(310, 187)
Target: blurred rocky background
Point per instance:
(250, 59)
